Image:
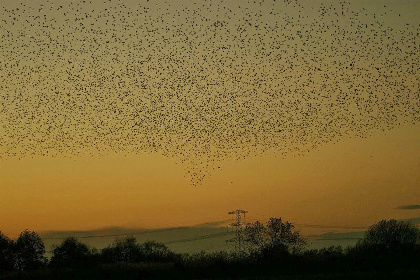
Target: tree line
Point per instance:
(274, 248)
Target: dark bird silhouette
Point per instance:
(202, 81)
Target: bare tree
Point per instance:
(274, 238)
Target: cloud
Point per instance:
(408, 207)
(415, 220)
(350, 235)
(344, 239)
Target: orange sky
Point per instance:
(354, 182)
(109, 114)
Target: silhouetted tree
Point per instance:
(7, 260)
(157, 252)
(388, 244)
(30, 251)
(274, 239)
(332, 252)
(124, 250)
(205, 259)
(256, 235)
(391, 234)
(71, 253)
(284, 234)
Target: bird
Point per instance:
(201, 82)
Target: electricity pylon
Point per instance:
(238, 226)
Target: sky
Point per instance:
(140, 114)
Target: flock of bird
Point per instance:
(201, 81)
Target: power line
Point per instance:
(200, 237)
(140, 232)
(119, 234)
(340, 238)
(214, 235)
(325, 226)
(306, 225)
(239, 223)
